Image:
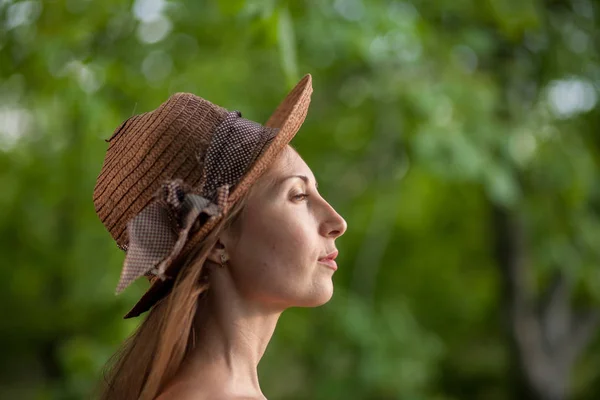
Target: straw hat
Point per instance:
(171, 174)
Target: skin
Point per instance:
(272, 263)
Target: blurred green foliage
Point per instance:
(426, 117)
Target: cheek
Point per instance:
(276, 254)
(276, 241)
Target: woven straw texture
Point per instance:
(149, 149)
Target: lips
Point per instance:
(329, 260)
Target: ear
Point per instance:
(218, 253)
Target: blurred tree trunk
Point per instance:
(545, 336)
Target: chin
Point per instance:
(324, 300)
(320, 296)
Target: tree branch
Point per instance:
(582, 332)
(555, 312)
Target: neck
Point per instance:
(231, 336)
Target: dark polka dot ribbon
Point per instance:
(159, 232)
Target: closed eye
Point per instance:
(301, 196)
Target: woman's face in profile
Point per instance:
(284, 231)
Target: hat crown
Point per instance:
(146, 150)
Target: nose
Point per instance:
(333, 225)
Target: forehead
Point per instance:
(288, 163)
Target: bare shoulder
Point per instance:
(185, 392)
(176, 395)
(193, 392)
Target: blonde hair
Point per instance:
(152, 355)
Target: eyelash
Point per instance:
(304, 196)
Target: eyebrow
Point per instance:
(303, 177)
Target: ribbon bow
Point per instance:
(159, 232)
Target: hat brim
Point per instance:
(288, 118)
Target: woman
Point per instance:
(225, 219)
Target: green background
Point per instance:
(459, 139)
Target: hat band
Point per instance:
(159, 232)
(236, 144)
